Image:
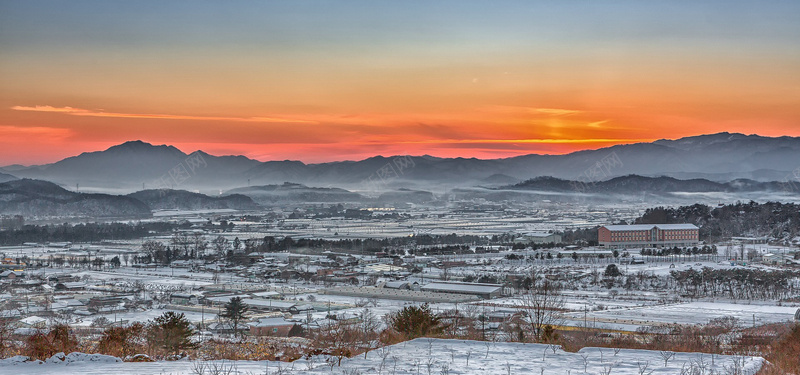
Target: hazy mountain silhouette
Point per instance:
(716, 157)
(38, 199)
(635, 184)
(131, 165)
(290, 192)
(4, 177)
(166, 199)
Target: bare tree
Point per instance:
(154, 249)
(369, 325)
(666, 356)
(182, 242)
(199, 245)
(220, 246)
(644, 368)
(542, 306)
(5, 337)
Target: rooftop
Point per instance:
(619, 228)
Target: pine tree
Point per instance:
(413, 321)
(172, 332)
(235, 310)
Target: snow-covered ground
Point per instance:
(432, 356)
(693, 313)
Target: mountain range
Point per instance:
(635, 184)
(36, 199)
(137, 165)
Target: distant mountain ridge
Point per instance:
(635, 184)
(167, 199)
(137, 165)
(291, 192)
(34, 198)
(42, 199)
(4, 177)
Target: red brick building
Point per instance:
(648, 235)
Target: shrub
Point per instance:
(43, 345)
(122, 341)
(415, 321)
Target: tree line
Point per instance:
(85, 232)
(781, 220)
(736, 283)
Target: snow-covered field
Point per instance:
(693, 313)
(434, 356)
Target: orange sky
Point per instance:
(282, 81)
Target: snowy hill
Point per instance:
(433, 356)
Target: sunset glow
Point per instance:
(335, 80)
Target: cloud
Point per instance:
(557, 111)
(47, 108)
(596, 124)
(520, 110)
(90, 113)
(25, 133)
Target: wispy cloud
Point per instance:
(597, 124)
(537, 141)
(22, 133)
(93, 113)
(556, 111)
(531, 110)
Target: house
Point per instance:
(485, 291)
(33, 322)
(226, 327)
(540, 237)
(70, 286)
(8, 275)
(268, 305)
(106, 303)
(63, 278)
(397, 285)
(184, 299)
(275, 327)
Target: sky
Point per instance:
(321, 81)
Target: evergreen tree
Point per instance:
(612, 271)
(172, 332)
(235, 310)
(415, 321)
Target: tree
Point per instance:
(44, 345)
(542, 306)
(415, 321)
(199, 245)
(122, 341)
(369, 325)
(5, 337)
(220, 245)
(237, 244)
(98, 262)
(115, 262)
(154, 249)
(235, 310)
(612, 271)
(171, 332)
(182, 242)
(337, 340)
